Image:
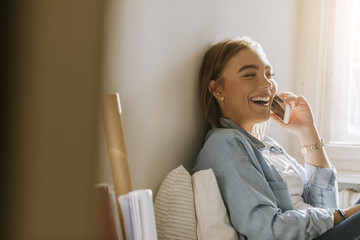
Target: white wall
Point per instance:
(153, 53)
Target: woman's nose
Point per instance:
(267, 83)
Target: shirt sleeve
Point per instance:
(251, 200)
(320, 185)
(320, 188)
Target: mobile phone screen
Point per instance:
(281, 109)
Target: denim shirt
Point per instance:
(256, 197)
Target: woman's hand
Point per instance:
(303, 125)
(301, 117)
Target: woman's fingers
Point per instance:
(284, 94)
(287, 96)
(292, 99)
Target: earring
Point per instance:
(222, 98)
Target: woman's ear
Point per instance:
(215, 90)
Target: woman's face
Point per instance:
(248, 89)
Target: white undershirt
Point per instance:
(290, 175)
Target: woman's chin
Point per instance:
(264, 117)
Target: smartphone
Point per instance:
(281, 109)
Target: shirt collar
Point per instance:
(227, 123)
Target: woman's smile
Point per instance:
(261, 101)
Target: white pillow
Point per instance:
(174, 207)
(212, 218)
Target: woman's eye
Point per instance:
(270, 75)
(249, 75)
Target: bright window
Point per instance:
(329, 77)
(354, 121)
(342, 83)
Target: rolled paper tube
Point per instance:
(116, 148)
(121, 177)
(112, 122)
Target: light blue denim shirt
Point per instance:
(256, 197)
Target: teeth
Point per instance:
(262, 99)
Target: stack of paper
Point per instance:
(138, 214)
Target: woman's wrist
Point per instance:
(341, 215)
(309, 137)
(337, 218)
(313, 148)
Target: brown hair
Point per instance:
(212, 67)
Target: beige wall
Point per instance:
(153, 53)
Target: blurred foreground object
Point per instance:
(52, 142)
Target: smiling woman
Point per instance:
(252, 70)
(247, 89)
(267, 193)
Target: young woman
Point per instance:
(267, 193)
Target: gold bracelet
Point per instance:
(314, 147)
